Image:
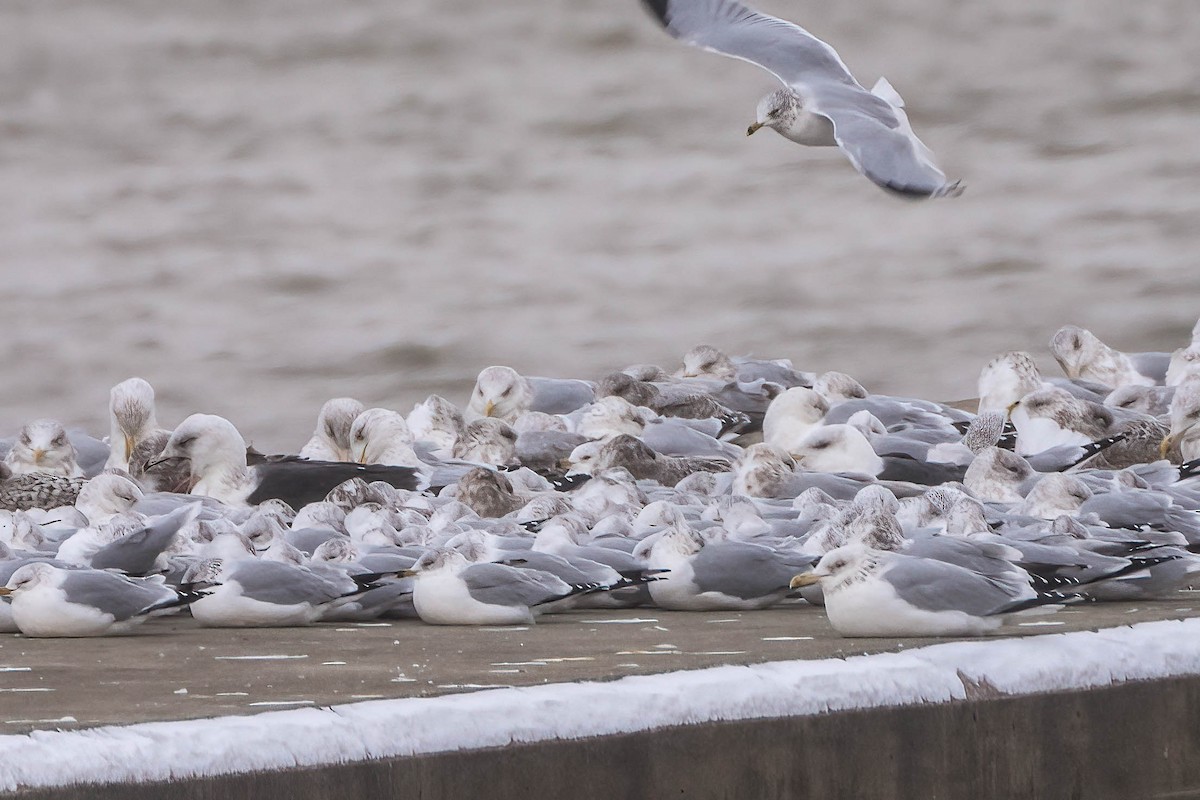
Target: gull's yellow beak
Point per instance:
(489, 408)
(1164, 447)
(804, 579)
(5, 591)
(407, 573)
(38, 455)
(750, 131)
(128, 447)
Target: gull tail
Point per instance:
(884, 90)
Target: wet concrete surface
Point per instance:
(173, 669)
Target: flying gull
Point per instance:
(821, 103)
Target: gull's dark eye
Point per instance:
(821, 445)
(506, 392)
(186, 442)
(24, 438)
(59, 441)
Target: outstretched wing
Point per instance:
(867, 127)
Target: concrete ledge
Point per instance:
(1065, 715)
(1134, 740)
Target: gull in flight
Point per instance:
(820, 104)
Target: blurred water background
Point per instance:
(260, 205)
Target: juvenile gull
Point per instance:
(381, 436)
(43, 446)
(671, 400)
(822, 103)
(331, 439)
(643, 463)
(1083, 356)
(706, 361)
(1184, 435)
(488, 441)
(1051, 417)
(51, 602)
(36, 490)
(504, 393)
(131, 420)
(437, 422)
(1006, 379)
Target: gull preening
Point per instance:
(821, 104)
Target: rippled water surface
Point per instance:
(257, 206)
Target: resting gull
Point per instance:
(216, 453)
(821, 103)
(331, 439)
(253, 593)
(131, 420)
(1083, 356)
(43, 446)
(48, 601)
(880, 593)
(1184, 435)
(450, 590)
(504, 393)
(37, 490)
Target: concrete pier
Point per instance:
(1128, 740)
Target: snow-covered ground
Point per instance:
(380, 729)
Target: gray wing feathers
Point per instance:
(743, 570)
(282, 584)
(112, 594)
(938, 586)
(727, 27)
(507, 586)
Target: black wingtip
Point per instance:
(570, 482)
(1189, 469)
(659, 9)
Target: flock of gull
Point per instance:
(730, 484)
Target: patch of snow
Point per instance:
(160, 751)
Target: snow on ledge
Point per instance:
(160, 751)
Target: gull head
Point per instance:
(500, 392)
(837, 448)
(335, 420)
(208, 442)
(131, 404)
(27, 577)
(839, 567)
(437, 421)
(436, 559)
(777, 110)
(1006, 379)
(42, 446)
(381, 436)
(706, 361)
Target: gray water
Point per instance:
(260, 205)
